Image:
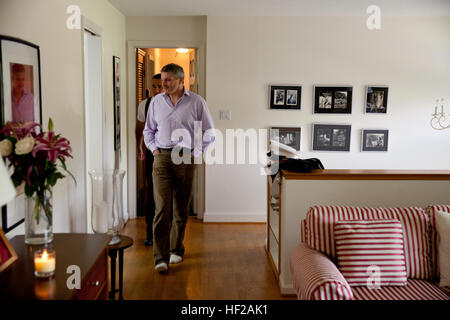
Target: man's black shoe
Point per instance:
(148, 242)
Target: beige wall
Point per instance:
(247, 54)
(43, 22)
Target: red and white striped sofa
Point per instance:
(314, 262)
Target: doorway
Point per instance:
(149, 62)
(93, 112)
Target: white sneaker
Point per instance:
(161, 267)
(174, 259)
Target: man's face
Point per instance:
(18, 82)
(170, 84)
(156, 87)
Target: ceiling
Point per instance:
(280, 7)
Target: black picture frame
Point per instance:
(290, 136)
(333, 99)
(374, 140)
(283, 97)
(376, 99)
(116, 92)
(18, 56)
(331, 137)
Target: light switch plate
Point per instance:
(225, 114)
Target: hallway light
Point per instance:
(182, 50)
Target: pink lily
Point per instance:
(55, 147)
(19, 129)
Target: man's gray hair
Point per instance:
(177, 70)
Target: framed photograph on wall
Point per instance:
(331, 137)
(7, 253)
(285, 97)
(116, 77)
(328, 99)
(20, 101)
(289, 136)
(376, 99)
(374, 140)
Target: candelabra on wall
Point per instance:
(438, 120)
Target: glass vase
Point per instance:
(107, 202)
(39, 218)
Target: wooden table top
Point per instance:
(18, 282)
(356, 174)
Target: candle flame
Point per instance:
(45, 255)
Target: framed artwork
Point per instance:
(116, 81)
(285, 97)
(376, 99)
(20, 101)
(289, 136)
(331, 137)
(374, 140)
(329, 99)
(7, 253)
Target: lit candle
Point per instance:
(44, 263)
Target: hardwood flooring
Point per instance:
(222, 261)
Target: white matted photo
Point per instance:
(331, 137)
(376, 99)
(285, 97)
(374, 140)
(289, 136)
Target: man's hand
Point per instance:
(156, 152)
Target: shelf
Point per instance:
(274, 224)
(273, 250)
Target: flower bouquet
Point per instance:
(37, 157)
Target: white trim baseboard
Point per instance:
(234, 217)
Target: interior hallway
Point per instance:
(222, 261)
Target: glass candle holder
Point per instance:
(44, 263)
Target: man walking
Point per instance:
(177, 108)
(147, 155)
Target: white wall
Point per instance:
(43, 22)
(247, 54)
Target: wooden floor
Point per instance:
(222, 261)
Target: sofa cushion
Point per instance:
(371, 253)
(320, 222)
(443, 230)
(431, 211)
(414, 290)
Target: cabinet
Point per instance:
(87, 251)
(273, 232)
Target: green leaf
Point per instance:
(28, 190)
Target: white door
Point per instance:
(93, 111)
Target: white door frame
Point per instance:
(131, 94)
(92, 27)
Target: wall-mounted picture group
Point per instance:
(330, 100)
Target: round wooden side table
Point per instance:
(125, 242)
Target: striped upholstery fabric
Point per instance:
(431, 211)
(315, 277)
(414, 290)
(303, 231)
(320, 222)
(361, 245)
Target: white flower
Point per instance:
(5, 147)
(24, 145)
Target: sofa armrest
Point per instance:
(316, 277)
